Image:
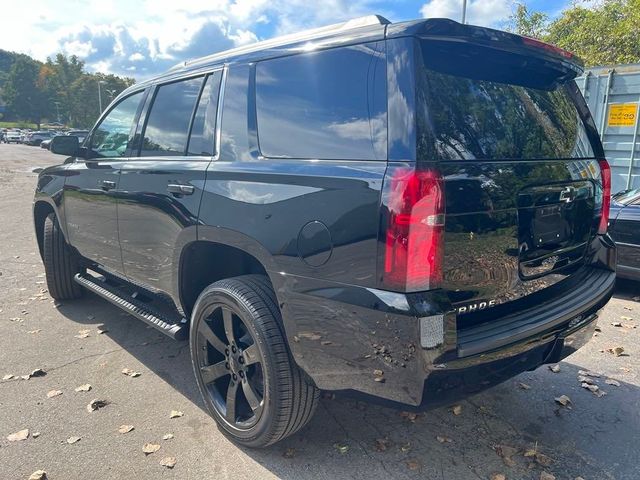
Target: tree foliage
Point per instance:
(607, 34)
(600, 32)
(60, 89)
(23, 91)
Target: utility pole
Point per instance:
(100, 82)
(464, 11)
(58, 110)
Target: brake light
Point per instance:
(605, 175)
(532, 42)
(413, 246)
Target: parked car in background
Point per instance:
(35, 138)
(624, 227)
(407, 212)
(81, 134)
(13, 136)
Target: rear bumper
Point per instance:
(367, 342)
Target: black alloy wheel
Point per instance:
(231, 367)
(249, 382)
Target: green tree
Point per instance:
(608, 33)
(24, 93)
(528, 23)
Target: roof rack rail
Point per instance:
(366, 21)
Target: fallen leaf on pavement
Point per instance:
(32, 332)
(130, 373)
(554, 368)
(542, 459)
(456, 409)
(19, 436)
(382, 444)
(412, 417)
(8, 377)
(125, 428)
(547, 476)
(167, 436)
(616, 324)
(95, 404)
(150, 448)
(38, 372)
(506, 453)
(523, 386)
(72, 440)
(498, 476)
(102, 330)
(413, 464)
(443, 439)
(626, 319)
(289, 453)
(53, 393)
(405, 448)
(588, 373)
(175, 414)
(168, 462)
(583, 379)
(83, 388)
(611, 381)
(617, 351)
(35, 434)
(38, 475)
(342, 448)
(563, 400)
(83, 333)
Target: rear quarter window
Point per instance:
(330, 104)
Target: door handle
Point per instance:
(179, 189)
(106, 184)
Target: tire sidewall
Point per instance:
(220, 295)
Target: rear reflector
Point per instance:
(605, 175)
(414, 230)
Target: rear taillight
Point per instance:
(532, 42)
(605, 175)
(413, 241)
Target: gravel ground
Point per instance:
(597, 438)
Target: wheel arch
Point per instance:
(218, 253)
(41, 210)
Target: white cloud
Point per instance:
(479, 12)
(145, 37)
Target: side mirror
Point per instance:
(65, 145)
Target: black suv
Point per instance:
(408, 213)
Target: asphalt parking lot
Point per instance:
(516, 429)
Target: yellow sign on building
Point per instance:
(622, 115)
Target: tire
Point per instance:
(272, 399)
(60, 263)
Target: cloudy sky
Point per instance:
(139, 38)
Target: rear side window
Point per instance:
(201, 141)
(167, 127)
(330, 104)
(111, 137)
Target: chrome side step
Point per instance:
(172, 325)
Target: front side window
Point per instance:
(111, 137)
(167, 127)
(330, 104)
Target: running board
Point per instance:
(173, 326)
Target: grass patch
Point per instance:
(17, 125)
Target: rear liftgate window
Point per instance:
(330, 104)
(475, 105)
